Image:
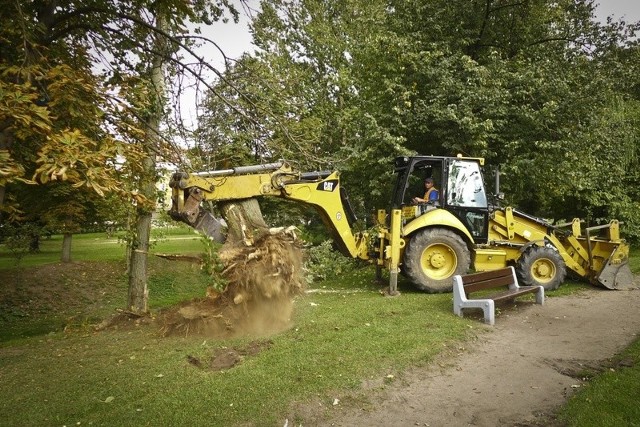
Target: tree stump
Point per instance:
(244, 221)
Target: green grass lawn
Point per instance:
(100, 247)
(345, 334)
(56, 370)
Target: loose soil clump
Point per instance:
(263, 278)
(226, 358)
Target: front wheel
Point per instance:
(541, 266)
(433, 256)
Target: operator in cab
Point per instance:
(431, 193)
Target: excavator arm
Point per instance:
(319, 189)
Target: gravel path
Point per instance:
(516, 374)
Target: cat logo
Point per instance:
(329, 185)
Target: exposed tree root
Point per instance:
(263, 279)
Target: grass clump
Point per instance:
(610, 399)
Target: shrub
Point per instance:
(324, 262)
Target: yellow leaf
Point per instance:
(98, 190)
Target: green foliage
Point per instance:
(75, 93)
(18, 245)
(634, 259)
(313, 233)
(211, 264)
(323, 263)
(21, 239)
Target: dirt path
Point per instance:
(514, 375)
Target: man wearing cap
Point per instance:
(430, 195)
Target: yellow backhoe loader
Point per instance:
(428, 242)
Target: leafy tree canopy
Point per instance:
(75, 88)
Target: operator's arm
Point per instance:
(417, 200)
(430, 196)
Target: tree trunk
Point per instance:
(138, 290)
(66, 247)
(244, 220)
(138, 296)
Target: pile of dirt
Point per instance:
(263, 278)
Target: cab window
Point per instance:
(465, 186)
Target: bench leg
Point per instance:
(458, 296)
(457, 310)
(540, 296)
(489, 312)
(487, 306)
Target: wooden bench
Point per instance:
(505, 278)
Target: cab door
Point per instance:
(466, 198)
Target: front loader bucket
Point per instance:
(616, 273)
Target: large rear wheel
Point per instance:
(433, 256)
(541, 266)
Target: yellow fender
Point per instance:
(437, 217)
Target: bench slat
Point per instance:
(486, 275)
(487, 283)
(512, 293)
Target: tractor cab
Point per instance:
(460, 186)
